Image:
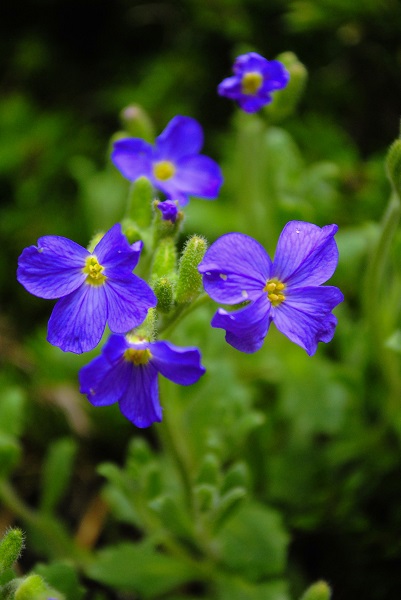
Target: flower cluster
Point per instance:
(95, 288)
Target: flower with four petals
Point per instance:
(127, 372)
(254, 79)
(287, 291)
(94, 288)
(173, 165)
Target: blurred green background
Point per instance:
(327, 455)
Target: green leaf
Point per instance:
(10, 453)
(139, 568)
(12, 411)
(237, 589)
(258, 529)
(62, 577)
(56, 472)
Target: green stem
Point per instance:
(173, 443)
(179, 314)
(250, 169)
(374, 284)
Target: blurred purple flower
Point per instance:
(169, 210)
(253, 81)
(127, 372)
(287, 291)
(173, 164)
(94, 288)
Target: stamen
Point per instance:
(251, 83)
(137, 356)
(93, 270)
(272, 287)
(163, 170)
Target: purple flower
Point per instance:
(173, 164)
(169, 210)
(253, 81)
(127, 373)
(94, 288)
(287, 291)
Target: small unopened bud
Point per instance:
(139, 208)
(32, 587)
(137, 122)
(147, 330)
(317, 591)
(285, 101)
(10, 548)
(164, 290)
(131, 230)
(167, 219)
(393, 166)
(164, 259)
(189, 283)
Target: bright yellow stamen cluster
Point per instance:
(163, 170)
(137, 356)
(274, 289)
(251, 83)
(93, 270)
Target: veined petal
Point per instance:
(305, 316)
(53, 268)
(235, 268)
(198, 175)
(128, 300)
(132, 157)
(181, 365)
(140, 403)
(183, 136)
(113, 250)
(306, 254)
(105, 383)
(114, 348)
(78, 320)
(246, 328)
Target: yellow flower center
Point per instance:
(93, 270)
(274, 289)
(137, 356)
(163, 170)
(251, 83)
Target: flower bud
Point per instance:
(10, 548)
(137, 122)
(164, 259)
(147, 330)
(167, 220)
(189, 283)
(32, 587)
(139, 207)
(164, 290)
(285, 101)
(131, 231)
(317, 591)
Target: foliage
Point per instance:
(276, 469)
